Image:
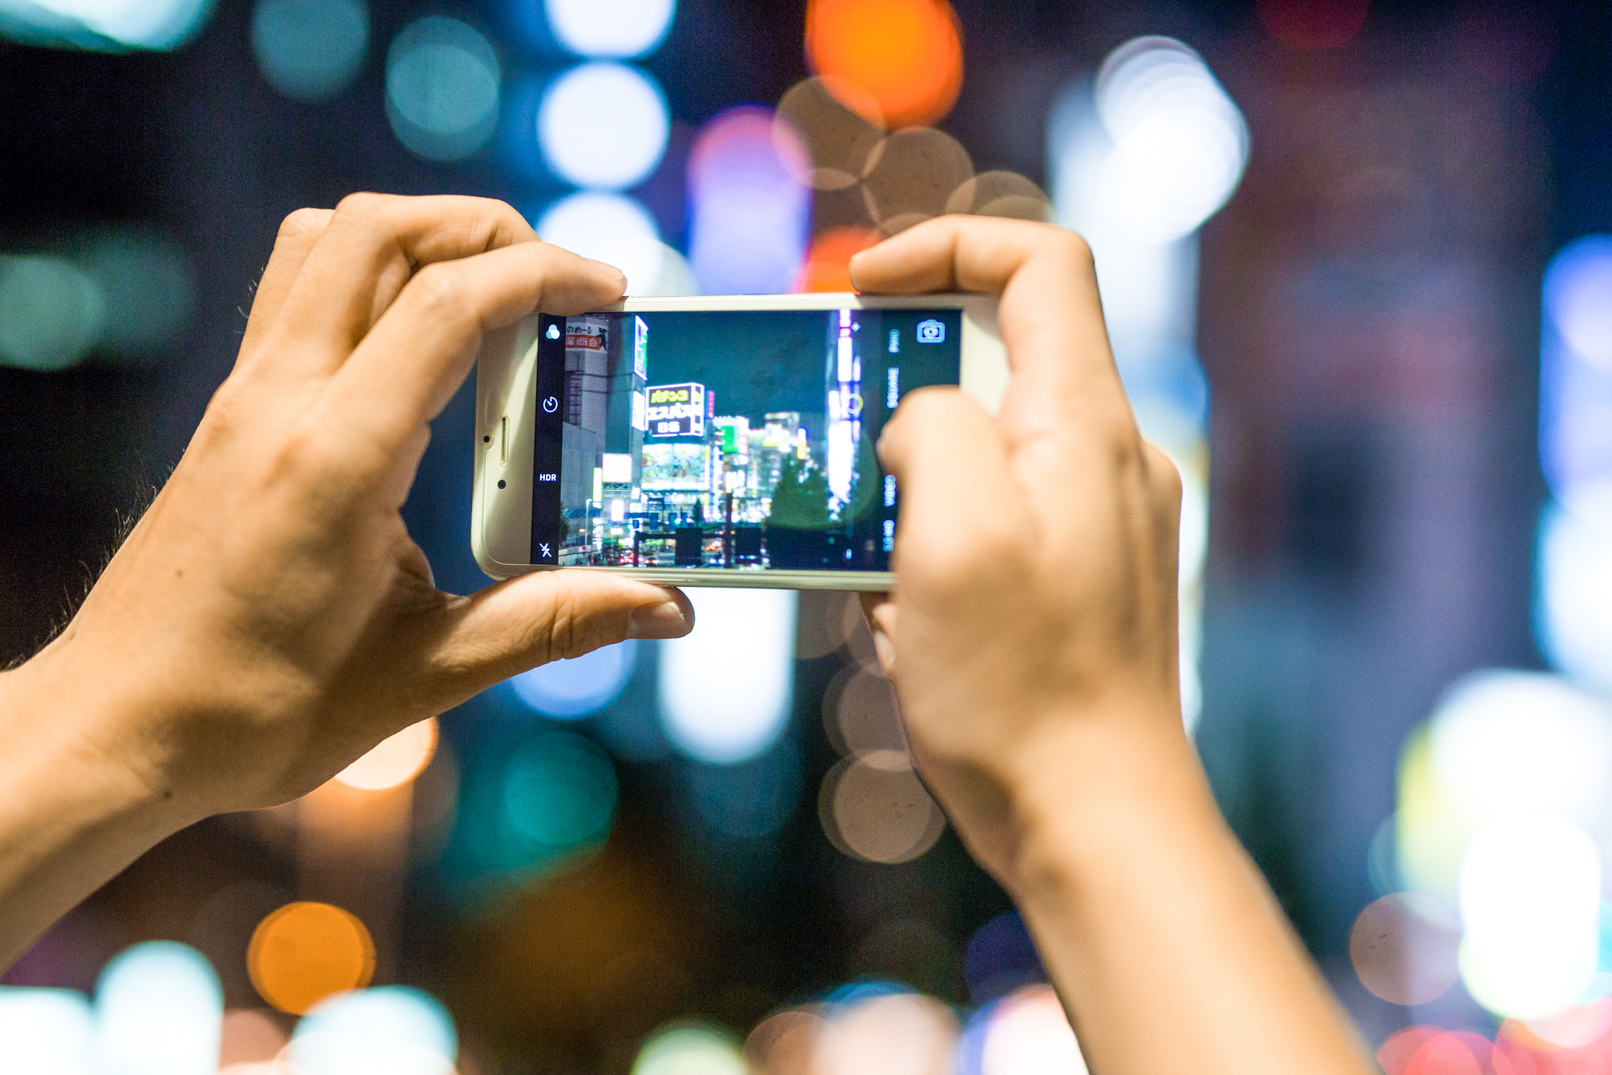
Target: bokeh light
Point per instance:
(392, 1030)
(1575, 378)
(310, 50)
(560, 792)
(51, 312)
(1404, 948)
(306, 952)
(569, 132)
(1029, 1034)
(577, 686)
(1576, 288)
(1002, 194)
(1179, 143)
(725, 689)
(250, 1036)
(45, 1032)
(146, 24)
(689, 1049)
(616, 29)
(912, 174)
(148, 291)
(897, 1033)
(611, 228)
(395, 760)
(838, 138)
(828, 262)
(906, 56)
(1313, 24)
(442, 81)
(749, 207)
(874, 807)
(862, 713)
(785, 1043)
(1573, 591)
(1000, 958)
(1531, 909)
(159, 1011)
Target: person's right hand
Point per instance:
(1032, 630)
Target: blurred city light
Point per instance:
(310, 49)
(144, 24)
(999, 958)
(905, 56)
(1000, 193)
(250, 1037)
(1028, 1033)
(1573, 592)
(560, 791)
(828, 262)
(306, 952)
(749, 209)
(395, 760)
(442, 81)
(839, 138)
(896, 1033)
(1404, 948)
(611, 228)
(159, 1011)
(1575, 377)
(46, 1032)
(1179, 143)
(148, 290)
(51, 312)
(1577, 285)
(392, 1030)
(568, 125)
(785, 1043)
(862, 713)
(578, 686)
(912, 175)
(1531, 908)
(616, 29)
(874, 807)
(725, 689)
(689, 1049)
(751, 798)
(1313, 24)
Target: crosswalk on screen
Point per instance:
(730, 440)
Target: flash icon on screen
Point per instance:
(543, 551)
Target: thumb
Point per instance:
(523, 622)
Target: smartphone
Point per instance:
(712, 441)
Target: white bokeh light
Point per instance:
(1028, 1034)
(1573, 592)
(392, 1030)
(310, 49)
(159, 1011)
(611, 228)
(1179, 143)
(442, 82)
(1578, 299)
(1530, 907)
(615, 29)
(46, 1032)
(725, 688)
(147, 24)
(603, 125)
(574, 688)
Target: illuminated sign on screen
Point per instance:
(677, 410)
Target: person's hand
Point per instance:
(270, 619)
(1032, 629)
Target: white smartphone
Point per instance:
(713, 441)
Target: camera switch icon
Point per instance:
(550, 405)
(931, 331)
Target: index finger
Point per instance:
(1050, 315)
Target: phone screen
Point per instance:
(726, 440)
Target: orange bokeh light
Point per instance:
(305, 952)
(906, 56)
(395, 760)
(828, 263)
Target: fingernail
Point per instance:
(609, 270)
(665, 620)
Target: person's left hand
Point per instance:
(270, 619)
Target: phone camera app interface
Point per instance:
(733, 440)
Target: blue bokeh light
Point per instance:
(310, 49)
(442, 83)
(574, 688)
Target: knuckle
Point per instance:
(364, 203)
(438, 288)
(300, 222)
(1071, 245)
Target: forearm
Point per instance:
(1157, 929)
(70, 816)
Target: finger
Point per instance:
(1050, 314)
(880, 612)
(414, 359)
(545, 616)
(369, 250)
(298, 234)
(958, 499)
